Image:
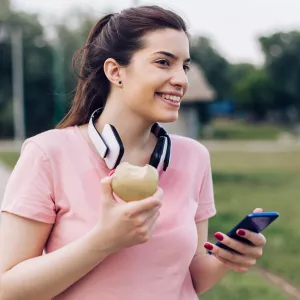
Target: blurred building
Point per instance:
(188, 122)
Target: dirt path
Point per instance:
(286, 287)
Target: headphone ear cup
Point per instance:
(157, 152)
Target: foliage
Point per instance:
(268, 92)
(255, 94)
(214, 65)
(271, 91)
(282, 65)
(37, 76)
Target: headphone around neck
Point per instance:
(110, 146)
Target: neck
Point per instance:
(134, 132)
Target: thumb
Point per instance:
(106, 189)
(258, 210)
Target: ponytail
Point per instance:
(90, 93)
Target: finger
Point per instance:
(158, 194)
(257, 239)
(258, 210)
(153, 222)
(238, 246)
(232, 256)
(146, 217)
(138, 207)
(106, 188)
(233, 266)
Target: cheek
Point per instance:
(142, 85)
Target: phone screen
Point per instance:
(261, 222)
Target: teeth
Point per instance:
(171, 97)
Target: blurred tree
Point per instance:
(282, 63)
(254, 92)
(215, 66)
(38, 99)
(71, 37)
(238, 71)
(6, 124)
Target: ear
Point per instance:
(112, 71)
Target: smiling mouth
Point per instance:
(171, 98)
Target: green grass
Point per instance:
(9, 158)
(239, 130)
(244, 181)
(251, 285)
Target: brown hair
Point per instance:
(115, 36)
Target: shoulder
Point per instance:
(50, 142)
(185, 145)
(188, 154)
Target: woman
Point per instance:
(59, 197)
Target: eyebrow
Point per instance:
(172, 55)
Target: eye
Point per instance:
(186, 68)
(163, 62)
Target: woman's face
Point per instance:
(155, 81)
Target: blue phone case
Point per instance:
(255, 222)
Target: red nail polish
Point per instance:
(208, 246)
(219, 236)
(111, 172)
(241, 232)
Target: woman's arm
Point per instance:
(25, 274)
(205, 269)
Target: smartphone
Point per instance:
(255, 222)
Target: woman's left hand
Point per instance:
(248, 254)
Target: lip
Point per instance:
(178, 94)
(177, 105)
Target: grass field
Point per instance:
(241, 130)
(242, 182)
(9, 158)
(249, 286)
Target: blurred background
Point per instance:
(243, 105)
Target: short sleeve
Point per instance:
(29, 191)
(206, 204)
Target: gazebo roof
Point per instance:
(199, 89)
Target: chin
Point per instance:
(167, 118)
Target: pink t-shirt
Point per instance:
(57, 181)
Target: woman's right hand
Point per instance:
(125, 224)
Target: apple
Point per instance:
(132, 183)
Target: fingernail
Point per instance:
(111, 172)
(241, 232)
(219, 236)
(208, 246)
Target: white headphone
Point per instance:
(110, 147)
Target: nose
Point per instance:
(180, 79)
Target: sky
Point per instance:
(233, 25)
